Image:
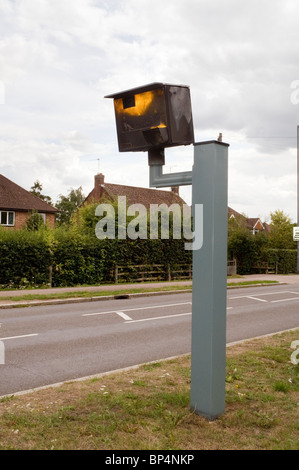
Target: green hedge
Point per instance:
(25, 258)
(286, 260)
(66, 258)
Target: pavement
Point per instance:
(123, 289)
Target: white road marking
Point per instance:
(268, 293)
(136, 308)
(158, 318)
(124, 316)
(256, 298)
(16, 337)
(262, 293)
(284, 300)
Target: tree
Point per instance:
(36, 189)
(34, 222)
(84, 219)
(281, 233)
(68, 205)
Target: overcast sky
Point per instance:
(59, 58)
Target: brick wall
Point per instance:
(50, 220)
(96, 193)
(21, 218)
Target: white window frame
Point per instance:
(43, 215)
(7, 218)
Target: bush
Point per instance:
(26, 258)
(286, 260)
(68, 258)
(242, 246)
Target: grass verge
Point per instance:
(251, 283)
(83, 294)
(147, 408)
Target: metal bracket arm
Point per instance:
(160, 180)
(157, 179)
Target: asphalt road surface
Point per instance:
(50, 344)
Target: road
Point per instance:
(50, 344)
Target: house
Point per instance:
(109, 192)
(17, 204)
(254, 224)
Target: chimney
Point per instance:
(98, 183)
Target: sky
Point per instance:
(59, 59)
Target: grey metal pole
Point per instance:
(209, 285)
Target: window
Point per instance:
(7, 218)
(43, 216)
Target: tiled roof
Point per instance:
(135, 195)
(13, 197)
(235, 213)
(252, 222)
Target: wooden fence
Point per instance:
(155, 272)
(159, 272)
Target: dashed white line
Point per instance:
(256, 298)
(124, 316)
(158, 318)
(267, 293)
(284, 300)
(136, 308)
(16, 337)
(260, 293)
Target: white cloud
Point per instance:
(59, 59)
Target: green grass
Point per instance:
(89, 294)
(251, 283)
(115, 292)
(147, 408)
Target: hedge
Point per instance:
(66, 258)
(25, 258)
(286, 260)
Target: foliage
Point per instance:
(73, 255)
(76, 259)
(36, 190)
(243, 246)
(26, 258)
(34, 221)
(281, 233)
(84, 220)
(286, 260)
(273, 248)
(68, 205)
